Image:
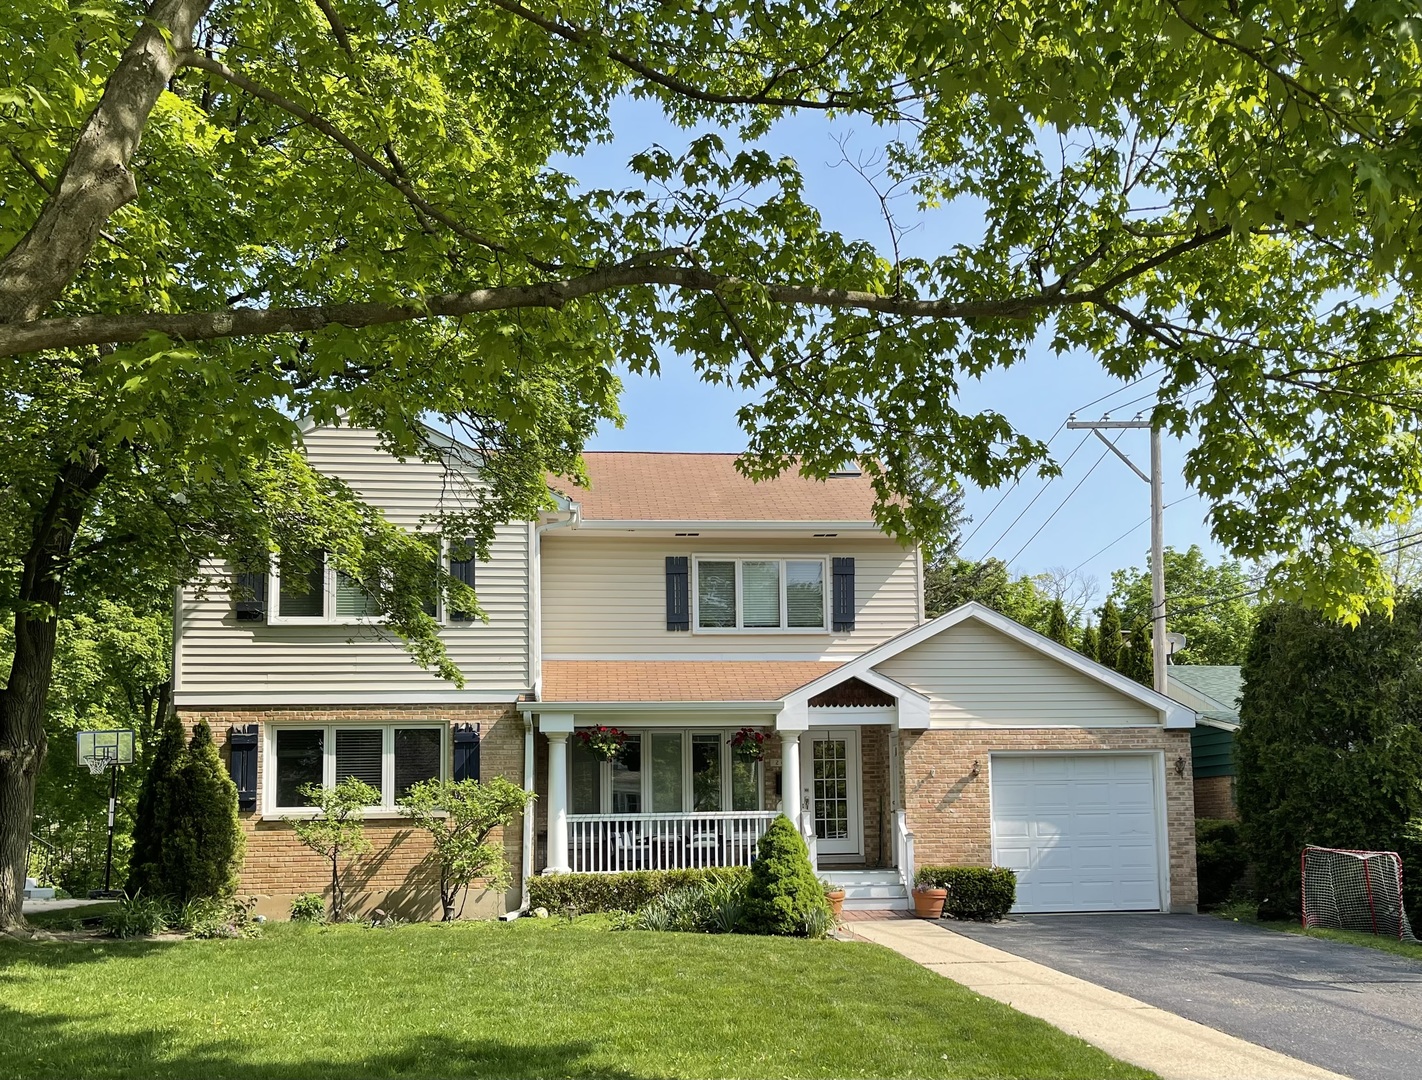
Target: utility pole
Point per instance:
(1157, 528)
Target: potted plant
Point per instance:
(605, 742)
(748, 744)
(929, 895)
(834, 894)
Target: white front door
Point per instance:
(829, 771)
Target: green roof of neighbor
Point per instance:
(1219, 681)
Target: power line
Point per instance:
(1123, 386)
(1040, 492)
(1061, 504)
(1143, 521)
(997, 505)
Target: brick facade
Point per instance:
(1214, 797)
(949, 810)
(397, 874)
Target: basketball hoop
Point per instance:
(100, 751)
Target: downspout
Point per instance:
(535, 663)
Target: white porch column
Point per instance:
(790, 775)
(557, 726)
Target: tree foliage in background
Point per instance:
(951, 582)
(1212, 604)
(1330, 745)
(460, 816)
(336, 831)
(1135, 660)
(1108, 639)
(1225, 194)
(1090, 643)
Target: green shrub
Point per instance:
(200, 848)
(784, 892)
(583, 894)
(209, 917)
(137, 916)
(711, 906)
(984, 893)
(1220, 860)
(150, 821)
(337, 831)
(308, 907)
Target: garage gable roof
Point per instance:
(1175, 714)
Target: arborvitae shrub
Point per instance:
(202, 841)
(163, 762)
(1058, 629)
(1108, 646)
(783, 888)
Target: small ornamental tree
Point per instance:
(460, 815)
(1108, 648)
(337, 831)
(783, 892)
(202, 843)
(1058, 628)
(1090, 644)
(150, 822)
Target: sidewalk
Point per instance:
(1170, 1046)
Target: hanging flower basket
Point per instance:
(605, 742)
(748, 744)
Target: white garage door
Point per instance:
(1081, 830)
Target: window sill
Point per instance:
(306, 813)
(762, 631)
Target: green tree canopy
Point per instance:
(1212, 604)
(950, 582)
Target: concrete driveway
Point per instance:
(1353, 1010)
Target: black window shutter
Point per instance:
(466, 751)
(242, 764)
(678, 592)
(251, 603)
(843, 594)
(462, 570)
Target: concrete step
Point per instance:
(32, 891)
(870, 890)
(846, 878)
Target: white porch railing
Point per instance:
(807, 830)
(608, 843)
(903, 849)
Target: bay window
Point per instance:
(391, 758)
(664, 772)
(754, 594)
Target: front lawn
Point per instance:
(532, 998)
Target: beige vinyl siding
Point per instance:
(219, 656)
(974, 677)
(605, 597)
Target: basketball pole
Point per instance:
(109, 855)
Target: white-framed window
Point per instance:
(388, 757)
(665, 771)
(308, 591)
(759, 594)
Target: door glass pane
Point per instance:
(745, 784)
(586, 774)
(716, 594)
(299, 756)
(303, 591)
(666, 772)
(831, 787)
(760, 602)
(706, 772)
(627, 777)
(417, 753)
(360, 753)
(352, 601)
(805, 593)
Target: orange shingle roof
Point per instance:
(677, 680)
(627, 486)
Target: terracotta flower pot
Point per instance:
(928, 903)
(836, 901)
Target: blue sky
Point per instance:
(676, 411)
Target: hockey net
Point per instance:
(1354, 890)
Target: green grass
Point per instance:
(1245, 913)
(532, 998)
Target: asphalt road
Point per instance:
(1354, 1010)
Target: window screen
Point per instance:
(716, 594)
(303, 592)
(360, 753)
(299, 761)
(805, 593)
(417, 753)
(706, 773)
(760, 600)
(352, 601)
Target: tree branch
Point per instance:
(96, 180)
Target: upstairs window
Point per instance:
(308, 589)
(760, 595)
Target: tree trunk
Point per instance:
(338, 899)
(26, 693)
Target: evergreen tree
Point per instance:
(783, 889)
(201, 848)
(1108, 649)
(150, 819)
(1090, 644)
(1058, 629)
(1136, 660)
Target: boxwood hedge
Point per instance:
(985, 893)
(631, 891)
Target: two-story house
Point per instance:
(691, 609)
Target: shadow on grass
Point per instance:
(68, 1046)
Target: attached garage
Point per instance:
(1083, 831)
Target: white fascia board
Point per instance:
(763, 526)
(1174, 714)
(1196, 699)
(279, 699)
(1210, 721)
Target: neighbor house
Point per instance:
(1213, 691)
(755, 647)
